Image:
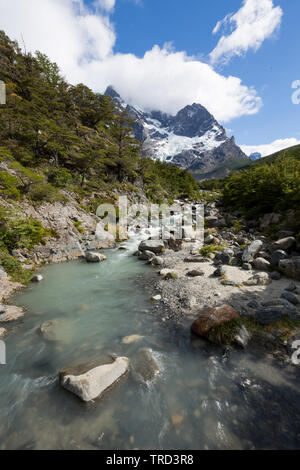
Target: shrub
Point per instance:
(14, 268)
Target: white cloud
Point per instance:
(106, 5)
(271, 148)
(81, 41)
(254, 22)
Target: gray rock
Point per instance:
(220, 271)
(261, 264)
(291, 287)
(209, 239)
(12, 313)
(254, 304)
(146, 255)
(269, 219)
(252, 250)
(157, 261)
(290, 297)
(93, 384)
(267, 316)
(92, 257)
(155, 246)
(146, 365)
(226, 256)
(211, 221)
(283, 244)
(156, 298)
(275, 276)
(277, 256)
(259, 279)
(195, 273)
(278, 302)
(37, 278)
(291, 268)
(247, 267)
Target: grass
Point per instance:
(14, 269)
(211, 249)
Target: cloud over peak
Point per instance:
(81, 40)
(254, 22)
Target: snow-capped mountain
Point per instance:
(192, 139)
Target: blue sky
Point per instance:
(163, 54)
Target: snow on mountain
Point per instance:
(192, 139)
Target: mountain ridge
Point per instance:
(192, 139)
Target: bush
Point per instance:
(60, 177)
(14, 268)
(45, 192)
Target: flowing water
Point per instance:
(199, 400)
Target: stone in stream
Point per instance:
(94, 383)
(92, 257)
(156, 298)
(291, 267)
(123, 247)
(155, 246)
(213, 318)
(146, 255)
(146, 365)
(250, 252)
(131, 339)
(37, 278)
(48, 330)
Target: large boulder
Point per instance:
(155, 246)
(213, 318)
(145, 364)
(283, 244)
(251, 250)
(291, 267)
(93, 383)
(92, 257)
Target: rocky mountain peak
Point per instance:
(191, 139)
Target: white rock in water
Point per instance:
(156, 298)
(37, 278)
(94, 257)
(131, 339)
(94, 383)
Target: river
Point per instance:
(199, 400)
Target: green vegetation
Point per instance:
(14, 268)
(56, 137)
(211, 249)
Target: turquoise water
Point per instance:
(200, 400)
